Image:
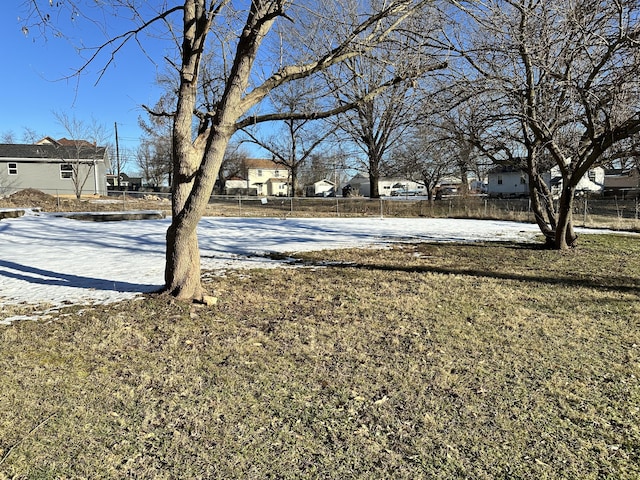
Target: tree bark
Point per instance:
(565, 236)
(182, 271)
(374, 177)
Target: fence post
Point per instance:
(381, 208)
(584, 219)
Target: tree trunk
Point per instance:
(545, 217)
(294, 175)
(541, 218)
(374, 176)
(374, 191)
(182, 268)
(565, 236)
(182, 271)
(192, 187)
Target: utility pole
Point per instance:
(117, 155)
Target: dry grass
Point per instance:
(421, 361)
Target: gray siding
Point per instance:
(45, 175)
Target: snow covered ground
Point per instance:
(47, 259)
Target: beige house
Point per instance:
(267, 177)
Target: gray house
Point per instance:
(506, 181)
(64, 167)
(622, 182)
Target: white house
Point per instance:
(387, 186)
(267, 177)
(321, 188)
(505, 181)
(54, 167)
(592, 182)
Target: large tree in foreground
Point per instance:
(239, 31)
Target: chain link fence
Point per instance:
(588, 211)
(456, 206)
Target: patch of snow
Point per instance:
(51, 260)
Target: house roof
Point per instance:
(360, 176)
(324, 180)
(15, 151)
(278, 180)
(506, 169)
(65, 142)
(622, 172)
(263, 163)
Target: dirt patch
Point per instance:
(32, 198)
(28, 196)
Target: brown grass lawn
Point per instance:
(420, 361)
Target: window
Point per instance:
(276, 173)
(499, 179)
(66, 171)
(592, 175)
(259, 173)
(13, 168)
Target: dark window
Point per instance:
(13, 168)
(66, 171)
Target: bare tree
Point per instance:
(292, 145)
(80, 152)
(570, 71)
(154, 163)
(156, 152)
(377, 124)
(203, 127)
(30, 136)
(8, 137)
(458, 120)
(425, 158)
(233, 163)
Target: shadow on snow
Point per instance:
(47, 277)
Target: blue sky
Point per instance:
(32, 88)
